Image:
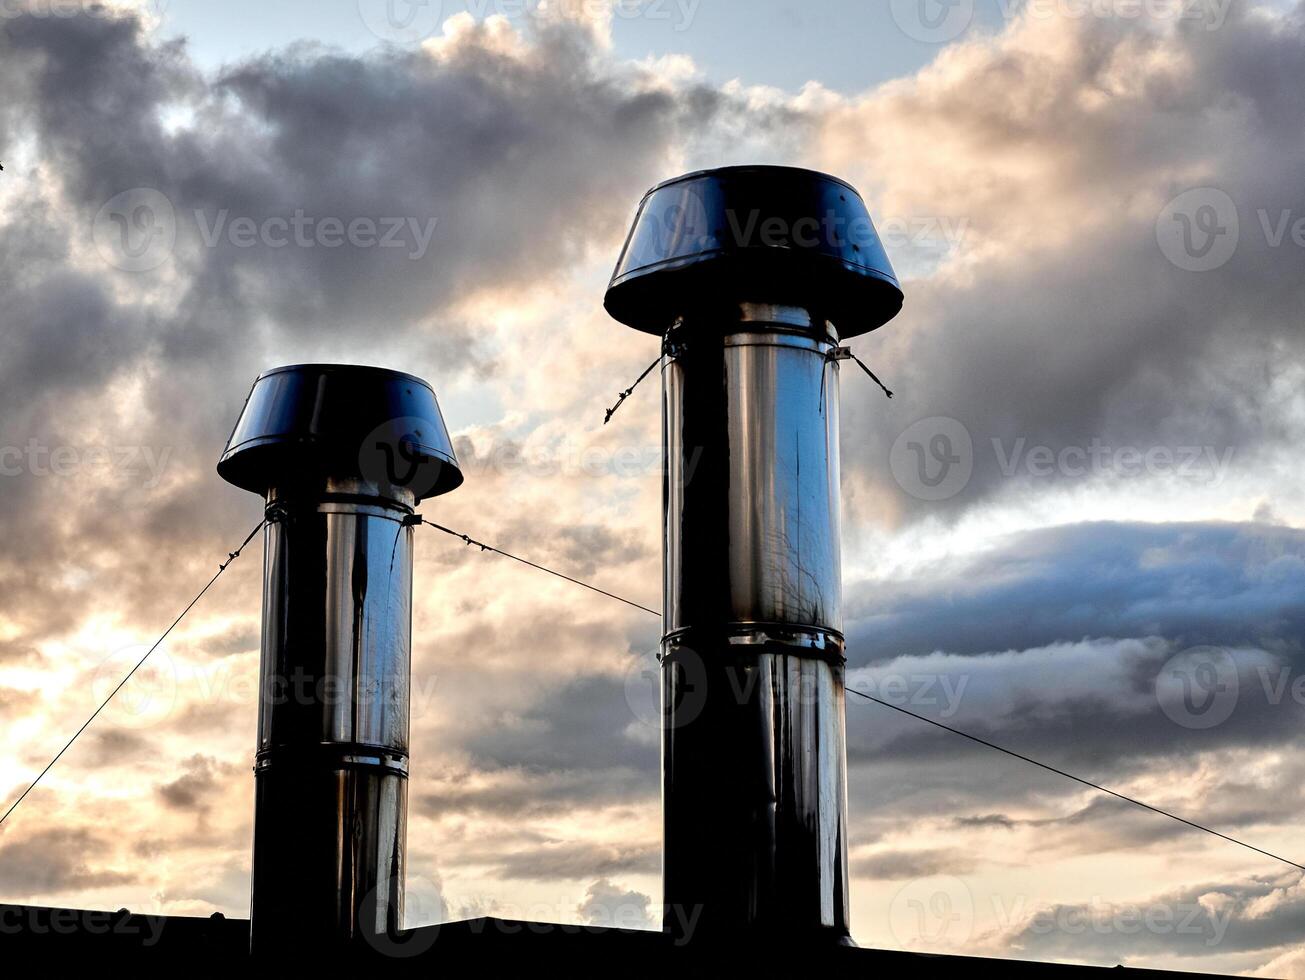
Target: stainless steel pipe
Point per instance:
(754, 793)
(332, 762)
(342, 456)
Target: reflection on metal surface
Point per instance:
(341, 571)
(752, 275)
(754, 792)
(754, 795)
(752, 536)
(332, 761)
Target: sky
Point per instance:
(1076, 531)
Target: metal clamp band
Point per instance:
(816, 642)
(333, 755)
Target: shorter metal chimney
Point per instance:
(342, 455)
(753, 276)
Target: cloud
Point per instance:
(1290, 964)
(1061, 630)
(1200, 922)
(898, 865)
(549, 861)
(57, 859)
(195, 789)
(607, 905)
(1054, 146)
(115, 358)
(1001, 645)
(542, 792)
(1218, 584)
(15, 703)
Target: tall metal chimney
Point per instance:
(753, 276)
(342, 455)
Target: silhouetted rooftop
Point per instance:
(483, 947)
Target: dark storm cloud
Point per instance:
(533, 793)
(511, 163)
(235, 641)
(563, 861)
(986, 820)
(1059, 659)
(1104, 823)
(193, 791)
(898, 865)
(109, 746)
(49, 860)
(1063, 631)
(590, 548)
(1059, 145)
(583, 724)
(1200, 922)
(1051, 643)
(393, 135)
(1191, 584)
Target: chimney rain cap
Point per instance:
(308, 421)
(754, 234)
